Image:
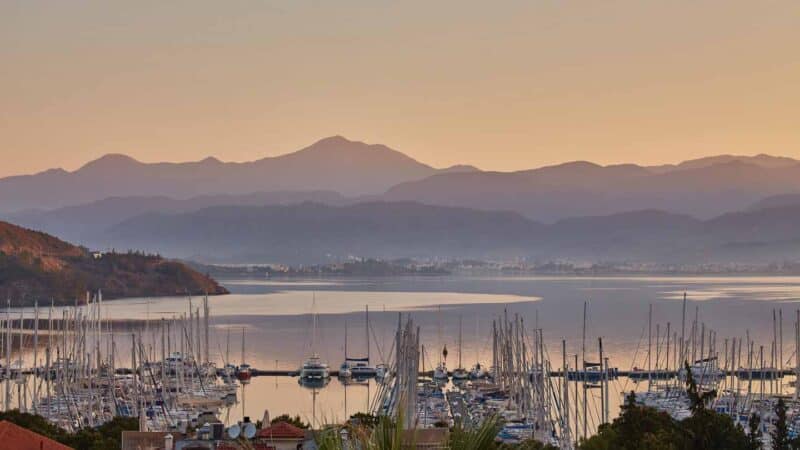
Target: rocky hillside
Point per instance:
(35, 265)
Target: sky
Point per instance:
(503, 85)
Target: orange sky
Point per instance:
(502, 85)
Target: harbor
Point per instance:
(180, 372)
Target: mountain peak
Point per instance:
(335, 139)
(110, 161)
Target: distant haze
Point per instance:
(504, 85)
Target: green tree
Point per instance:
(637, 427)
(705, 429)
(296, 421)
(754, 438)
(780, 435)
(697, 399)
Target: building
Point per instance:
(149, 440)
(15, 437)
(281, 436)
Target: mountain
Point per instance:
(313, 233)
(86, 223)
(703, 188)
(776, 201)
(581, 188)
(331, 164)
(35, 265)
(761, 160)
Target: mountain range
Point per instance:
(338, 197)
(357, 172)
(312, 232)
(333, 164)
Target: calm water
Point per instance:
(275, 316)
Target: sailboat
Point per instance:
(243, 373)
(313, 368)
(229, 370)
(459, 374)
(358, 367)
(344, 369)
(477, 371)
(440, 372)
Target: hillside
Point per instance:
(35, 265)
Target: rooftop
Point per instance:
(282, 430)
(18, 438)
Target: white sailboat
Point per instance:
(344, 369)
(358, 367)
(477, 371)
(460, 374)
(314, 369)
(440, 372)
(244, 373)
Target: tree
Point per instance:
(780, 435)
(754, 438)
(637, 427)
(296, 421)
(697, 399)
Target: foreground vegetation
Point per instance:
(641, 427)
(105, 437)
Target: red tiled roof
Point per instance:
(18, 438)
(282, 430)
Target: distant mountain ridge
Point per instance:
(331, 164)
(85, 223)
(581, 189)
(354, 172)
(311, 233)
(35, 265)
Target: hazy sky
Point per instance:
(499, 84)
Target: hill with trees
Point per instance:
(35, 265)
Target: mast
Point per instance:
(228, 347)
(366, 329)
(35, 354)
(459, 341)
(242, 345)
(565, 385)
(683, 332)
(666, 359)
(796, 355)
(205, 328)
(8, 355)
(780, 342)
(649, 346)
(583, 351)
(313, 324)
(49, 350)
(603, 376)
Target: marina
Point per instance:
(178, 372)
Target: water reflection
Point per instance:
(276, 316)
